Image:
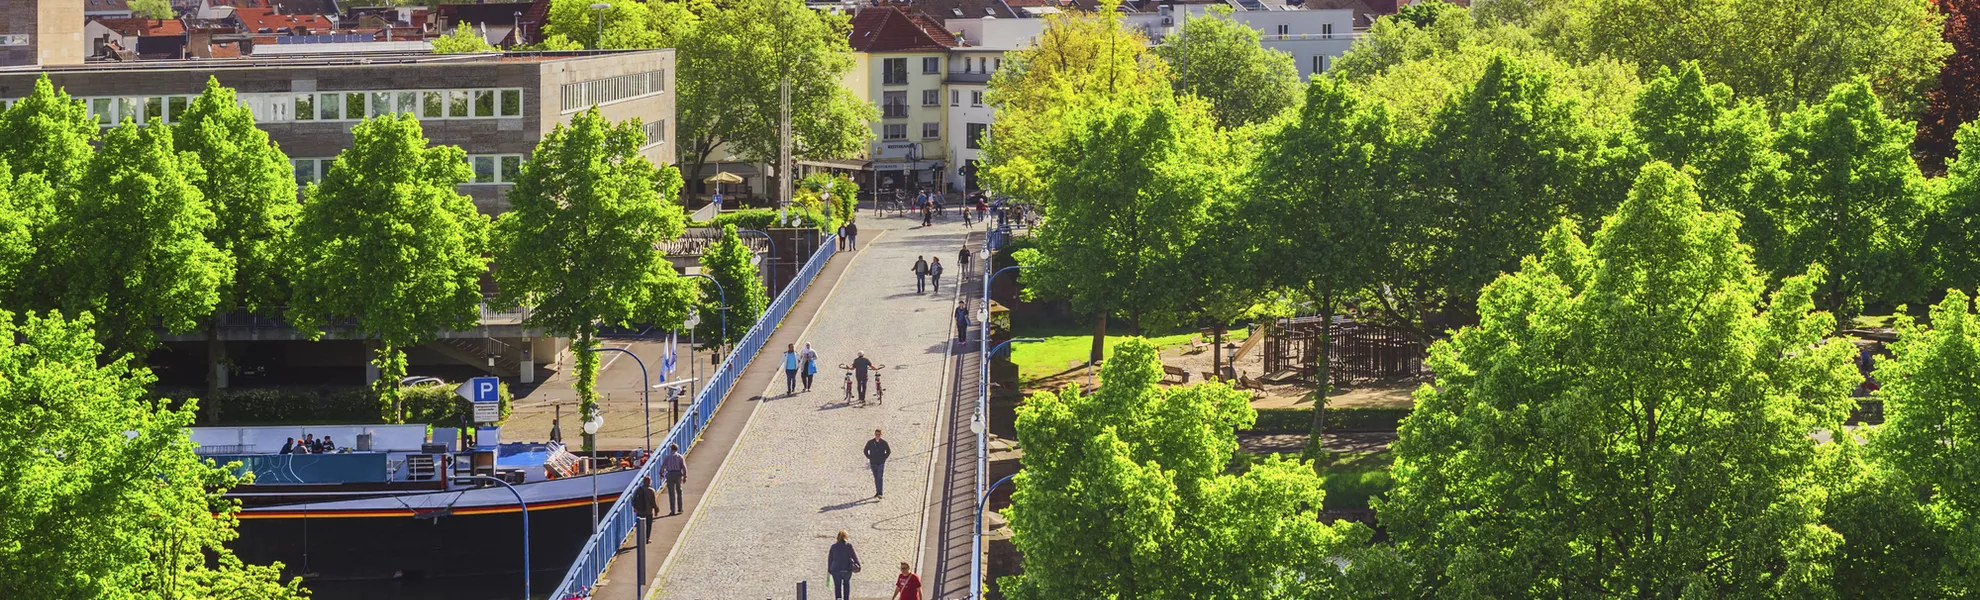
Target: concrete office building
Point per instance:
(496, 106)
(41, 32)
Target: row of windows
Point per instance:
(325, 106)
(894, 71)
(972, 136)
(488, 168)
(577, 96)
(975, 97)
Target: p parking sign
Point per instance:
(486, 394)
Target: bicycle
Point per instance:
(878, 389)
(849, 387)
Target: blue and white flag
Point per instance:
(667, 362)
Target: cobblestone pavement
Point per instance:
(797, 477)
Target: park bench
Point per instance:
(1177, 372)
(1196, 344)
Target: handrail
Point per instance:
(619, 522)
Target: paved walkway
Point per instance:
(796, 477)
(952, 508)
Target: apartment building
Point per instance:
(901, 65)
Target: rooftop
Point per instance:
(890, 29)
(267, 20)
(144, 27)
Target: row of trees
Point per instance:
(174, 226)
(1634, 415)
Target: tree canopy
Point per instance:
(462, 40)
(1568, 448)
(1212, 54)
(736, 280)
(104, 496)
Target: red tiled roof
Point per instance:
(106, 5)
(227, 50)
(890, 29)
(144, 27)
(256, 19)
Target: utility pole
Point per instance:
(785, 169)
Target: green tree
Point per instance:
(1080, 62)
(733, 266)
(251, 188)
(1629, 418)
(386, 242)
(1953, 245)
(841, 191)
(1930, 392)
(62, 131)
(1321, 207)
(1123, 494)
(1853, 200)
(129, 240)
(625, 23)
(1504, 160)
(104, 496)
(1724, 144)
(463, 40)
(1214, 52)
(733, 62)
(1128, 192)
(24, 202)
(581, 240)
(1786, 53)
(152, 9)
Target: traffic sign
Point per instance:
(486, 394)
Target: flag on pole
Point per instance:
(667, 362)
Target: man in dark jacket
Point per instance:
(289, 446)
(920, 269)
(841, 562)
(646, 505)
(877, 452)
(852, 235)
(962, 322)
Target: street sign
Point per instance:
(486, 394)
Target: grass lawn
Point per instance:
(1041, 359)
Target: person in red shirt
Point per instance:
(907, 586)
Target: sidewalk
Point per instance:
(796, 477)
(720, 437)
(952, 505)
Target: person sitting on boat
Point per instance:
(329, 446)
(288, 446)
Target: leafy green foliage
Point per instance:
(1629, 418)
(1081, 62)
(24, 204)
(152, 9)
(387, 242)
(841, 191)
(129, 240)
(1954, 245)
(1122, 494)
(733, 266)
(463, 40)
(1213, 53)
(1725, 145)
(1853, 199)
(1129, 192)
(104, 496)
(581, 240)
(251, 188)
(62, 131)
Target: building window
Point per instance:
(1285, 29)
(656, 132)
(408, 103)
(931, 65)
(457, 104)
(1326, 31)
(484, 103)
(174, 106)
(329, 107)
(893, 105)
(893, 131)
(894, 71)
(973, 135)
(1000, 64)
(955, 97)
(1319, 63)
(354, 105)
(305, 171)
(976, 97)
(511, 103)
(931, 97)
(583, 94)
(930, 131)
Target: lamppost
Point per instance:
(645, 399)
(724, 295)
(591, 426)
(525, 520)
(773, 254)
(599, 8)
(977, 426)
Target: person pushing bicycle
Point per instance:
(859, 368)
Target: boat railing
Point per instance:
(618, 522)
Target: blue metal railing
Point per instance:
(619, 521)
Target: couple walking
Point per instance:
(925, 273)
(796, 363)
(841, 562)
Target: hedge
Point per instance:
(1300, 420)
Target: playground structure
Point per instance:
(1360, 351)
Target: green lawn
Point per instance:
(1042, 359)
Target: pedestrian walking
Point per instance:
(842, 235)
(810, 369)
(841, 562)
(852, 235)
(965, 216)
(877, 452)
(935, 274)
(962, 322)
(927, 216)
(646, 506)
(790, 369)
(907, 586)
(920, 274)
(962, 260)
(673, 469)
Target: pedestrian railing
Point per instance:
(619, 522)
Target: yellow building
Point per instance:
(901, 61)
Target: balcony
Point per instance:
(961, 77)
(894, 111)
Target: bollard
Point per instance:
(800, 591)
